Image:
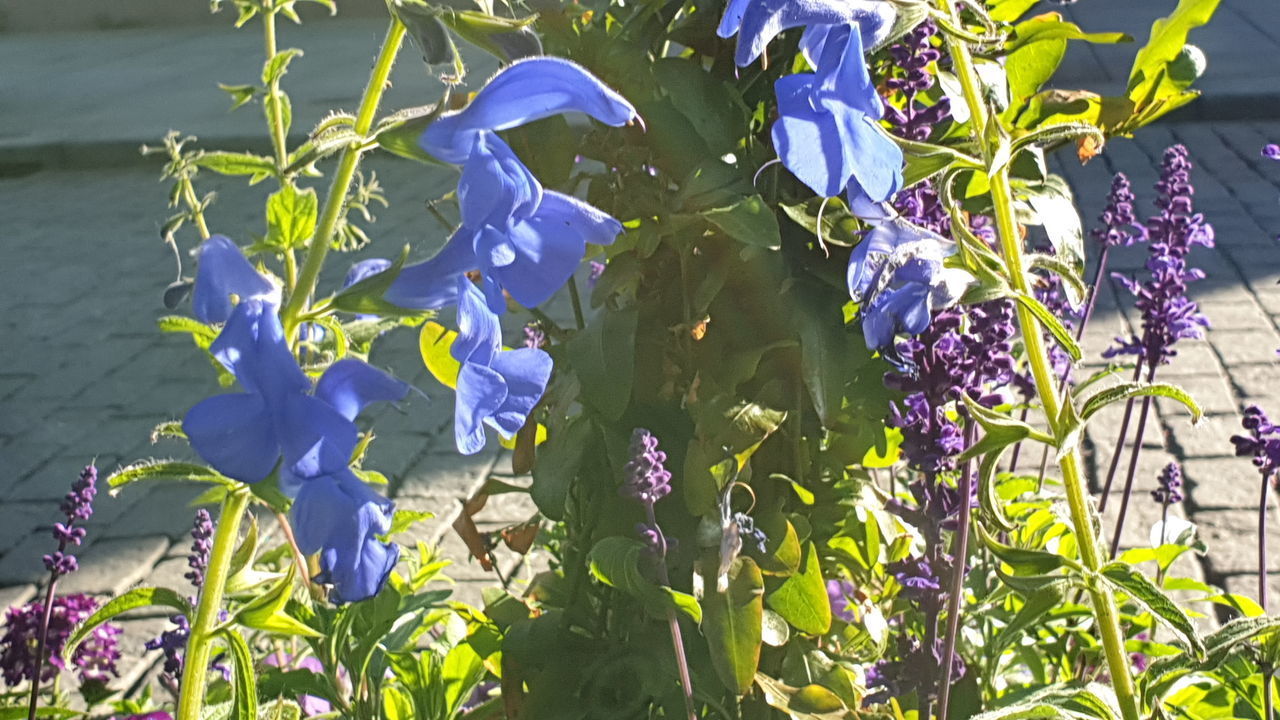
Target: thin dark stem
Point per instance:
(42, 641)
(1120, 441)
(1268, 706)
(677, 640)
(577, 303)
(1044, 466)
(1093, 291)
(1262, 545)
(959, 553)
(1017, 447)
(1164, 521)
(1133, 470)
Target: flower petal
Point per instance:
(349, 385)
(495, 187)
(763, 20)
(525, 372)
(525, 91)
(362, 270)
(340, 517)
(550, 245)
(235, 435)
(432, 284)
(315, 437)
(808, 142)
(252, 346)
(225, 271)
(481, 391)
(479, 334)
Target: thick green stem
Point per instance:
(1105, 614)
(275, 111)
(336, 200)
(195, 670)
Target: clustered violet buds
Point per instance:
(77, 506)
(94, 659)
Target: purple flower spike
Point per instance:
(1170, 490)
(201, 546)
(840, 593)
(647, 480)
(77, 506)
(1271, 151)
(1119, 224)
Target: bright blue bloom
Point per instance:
(523, 239)
(496, 387)
(520, 93)
(756, 22)
(364, 269)
(225, 271)
(898, 276)
(340, 517)
(827, 133)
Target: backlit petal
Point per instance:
(235, 435)
(349, 385)
(224, 271)
(252, 346)
(432, 284)
(526, 372)
(481, 391)
(315, 437)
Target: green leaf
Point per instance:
(131, 600)
(19, 712)
(1118, 393)
(405, 519)
(365, 297)
(838, 226)
(1091, 702)
(1168, 36)
(1031, 65)
(924, 160)
(733, 621)
(1057, 213)
(277, 65)
(811, 702)
(202, 334)
(168, 429)
(1023, 561)
(830, 354)
(1137, 586)
(267, 611)
(1072, 284)
(1050, 323)
(615, 561)
(1037, 604)
(291, 217)
(240, 94)
(1050, 26)
(257, 167)
(399, 132)
(1009, 10)
(603, 357)
(243, 677)
(999, 429)
(750, 221)
(802, 599)
(168, 470)
(558, 462)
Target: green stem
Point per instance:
(193, 204)
(195, 670)
(275, 113)
(336, 200)
(1105, 614)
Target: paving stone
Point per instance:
(1235, 316)
(1232, 538)
(1211, 438)
(112, 566)
(159, 510)
(1195, 357)
(1237, 347)
(447, 473)
(15, 595)
(1216, 485)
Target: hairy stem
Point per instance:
(959, 554)
(193, 205)
(195, 670)
(275, 112)
(336, 200)
(1105, 613)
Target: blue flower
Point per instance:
(756, 22)
(898, 275)
(340, 517)
(520, 93)
(523, 239)
(224, 271)
(827, 133)
(496, 387)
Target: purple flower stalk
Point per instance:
(201, 546)
(1168, 493)
(22, 656)
(647, 481)
(173, 642)
(1168, 315)
(840, 593)
(1262, 444)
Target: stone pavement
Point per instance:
(85, 375)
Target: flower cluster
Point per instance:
(521, 239)
(76, 507)
(913, 55)
(1168, 315)
(646, 480)
(94, 659)
(201, 546)
(1262, 443)
(283, 423)
(1120, 226)
(1170, 490)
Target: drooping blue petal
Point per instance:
(520, 93)
(495, 188)
(808, 141)
(340, 517)
(550, 245)
(876, 162)
(315, 438)
(365, 269)
(235, 434)
(433, 284)
(525, 372)
(349, 385)
(479, 334)
(872, 28)
(842, 76)
(253, 348)
(732, 18)
(480, 392)
(224, 271)
(905, 308)
(868, 257)
(762, 20)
